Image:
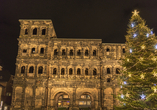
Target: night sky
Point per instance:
(93, 19)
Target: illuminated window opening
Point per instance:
(33, 50)
(23, 69)
(108, 70)
(86, 71)
(79, 52)
(86, 53)
(42, 51)
(24, 50)
(62, 71)
(26, 31)
(31, 69)
(70, 71)
(35, 31)
(71, 52)
(63, 52)
(55, 52)
(123, 50)
(43, 31)
(40, 70)
(94, 52)
(94, 72)
(54, 71)
(78, 71)
(107, 49)
(117, 71)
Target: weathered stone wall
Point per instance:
(48, 67)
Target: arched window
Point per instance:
(94, 52)
(63, 52)
(43, 31)
(79, 52)
(86, 53)
(26, 31)
(85, 100)
(108, 79)
(55, 52)
(123, 50)
(62, 71)
(70, 71)
(23, 69)
(33, 50)
(107, 49)
(24, 50)
(31, 69)
(42, 51)
(35, 31)
(94, 72)
(54, 71)
(86, 71)
(108, 70)
(117, 71)
(71, 52)
(78, 71)
(40, 70)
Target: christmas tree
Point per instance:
(138, 90)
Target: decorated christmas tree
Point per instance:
(138, 90)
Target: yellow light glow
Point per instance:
(143, 46)
(142, 76)
(135, 12)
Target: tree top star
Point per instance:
(135, 12)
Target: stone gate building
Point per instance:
(52, 72)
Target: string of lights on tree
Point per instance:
(138, 81)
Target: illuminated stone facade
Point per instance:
(56, 72)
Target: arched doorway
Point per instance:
(85, 101)
(62, 101)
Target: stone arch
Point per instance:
(53, 68)
(43, 31)
(95, 68)
(63, 50)
(77, 70)
(92, 92)
(79, 51)
(18, 93)
(117, 67)
(26, 31)
(108, 98)
(35, 31)
(70, 67)
(61, 70)
(86, 51)
(55, 50)
(22, 68)
(55, 95)
(106, 69)
(108, 48)
(70, 51)
(84, 70)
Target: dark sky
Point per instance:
(93, 19)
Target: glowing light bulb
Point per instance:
(143, 96)
(151, 32)
(125, 82)
(155, 46)
(130, 50)
(122, 96)
(147, 35)
(134, 35)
